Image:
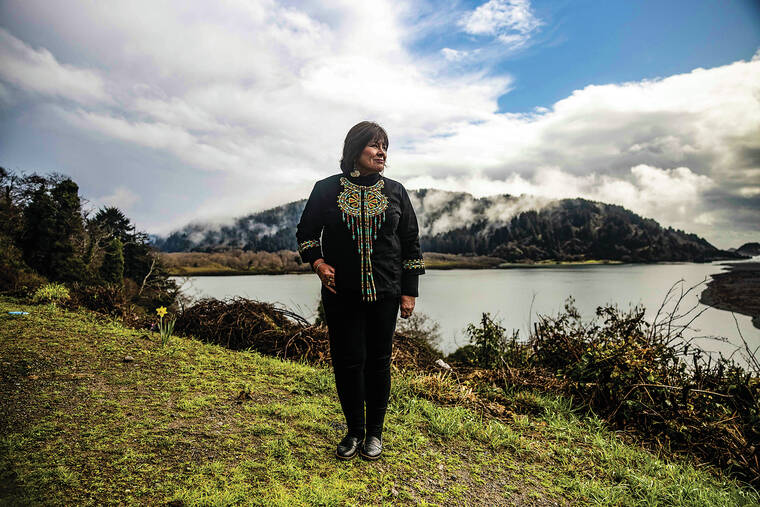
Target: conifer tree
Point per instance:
(114, 223)
(112, 268)
(65, 261)
(38, 235)
(53, 223)
(135, 245)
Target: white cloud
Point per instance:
(510, 21)
(122, 198)
(260, 85)
(454, 55)
(707, 218)
(161, 136)
(705, 120)
(668, 188)
(671, 196)
(438, 212)
(258, 96)
(749, 191)
(38, 71)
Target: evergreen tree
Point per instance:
(65, 261)
(38, 235)
(112, 268)
(137, 257)
(113, 222)
(11, 226)
(11, 222)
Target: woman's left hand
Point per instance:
(407, 306)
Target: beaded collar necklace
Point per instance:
(363, 209)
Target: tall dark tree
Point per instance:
(65, 259)
(44, 232)
(39, 231)
(52, 229)
(114, 223)
(11, 223)
(112, 267)
(138, 257)
(12, 265)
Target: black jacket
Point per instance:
(366, 229)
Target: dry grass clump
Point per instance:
(412, 351)
(241, 324)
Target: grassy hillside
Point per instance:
(198, 424)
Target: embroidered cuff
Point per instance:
(416, 265)
(310, 250)
(311, 243)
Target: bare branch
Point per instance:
(751, 354)
(150, 271)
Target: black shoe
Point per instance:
(348, 447)
(372, 448)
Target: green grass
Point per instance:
(82, 427)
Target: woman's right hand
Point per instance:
(326, 274)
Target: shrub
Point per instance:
(16, 277)
(244, 324)
(639, 375)
(420, 327)
(108, 299)
(466, 355)
(493, 348)
(19, 282)
(51, 293)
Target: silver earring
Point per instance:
(355, 173)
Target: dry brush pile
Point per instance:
(243, 324)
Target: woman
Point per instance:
(359, 233)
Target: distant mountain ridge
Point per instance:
(514, 228)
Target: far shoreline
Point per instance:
(736, 289)
(435, 266)
(446, 266)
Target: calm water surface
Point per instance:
(458, 297)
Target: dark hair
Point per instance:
(357, 138)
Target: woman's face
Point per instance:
(372, 158)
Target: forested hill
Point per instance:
(513, 228)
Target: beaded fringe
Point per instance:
(364, 212)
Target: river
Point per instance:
(458, 297)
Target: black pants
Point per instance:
(361, 337)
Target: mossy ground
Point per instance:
(82, 426)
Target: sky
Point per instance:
(181, 111)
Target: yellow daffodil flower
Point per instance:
(161, 311)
